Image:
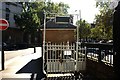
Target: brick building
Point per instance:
(60, 29)
(8, 10)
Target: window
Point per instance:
(62, 19)
(7, 4)
(7, 16)
(8, 10)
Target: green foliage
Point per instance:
(33, 14)
(97, 32)
(28, 21)
(84, 29)
(103, 21)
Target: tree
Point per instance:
(33, 15)
(104, 20)
(84, 29)
(28, 21)
(97, 33)
(49, 7)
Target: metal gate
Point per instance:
(64, 58)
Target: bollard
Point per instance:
(32, 76)
(99, 55)
(3, 67)
(34, 50)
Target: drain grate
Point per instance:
(65, 78)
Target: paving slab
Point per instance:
(14, 64)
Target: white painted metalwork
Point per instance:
(44, 38)
(0, 59)
(62, 58)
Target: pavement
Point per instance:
(15, 60)
(20, 64)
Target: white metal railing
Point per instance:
(105, 57)
(62, 57)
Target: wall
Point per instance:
(99, 70)
(14, 8)
(12, 36)
(58, 36)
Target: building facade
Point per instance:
(7, 11)
(59, 30)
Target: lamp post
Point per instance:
(44, 36)
(44, 39)
(80, 24)
(77, 40)
(77, 45)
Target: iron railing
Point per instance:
(100, 52)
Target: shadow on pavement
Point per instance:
(34, 67)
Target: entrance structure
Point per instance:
(61, 58)
(60, 52)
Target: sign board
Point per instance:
(3, 24)
(62, 19)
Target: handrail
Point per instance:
(98, 45)
(101, 54)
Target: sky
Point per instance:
(87, 8)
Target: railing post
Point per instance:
(34, 49)
(2, 57)
(86, 53)
(76, 56)
(44, 34)
(99, 55)
(3, 67)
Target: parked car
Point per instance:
(92, 50)
(0, 45)
(102, 41)
(110, 41)
(21, 45)
(3, 45)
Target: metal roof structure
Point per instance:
(52, 24)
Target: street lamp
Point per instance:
(77, 39)
(44, 36)
(44, 39)
(78, 25)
